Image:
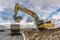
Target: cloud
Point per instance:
(7, 3)
(1, 8)
(53, 2)
(56, 19)
(5, 18)
(0, 19)
(9, 10)
(47, 2)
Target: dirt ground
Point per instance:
(35, 34)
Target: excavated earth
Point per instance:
(47, 34)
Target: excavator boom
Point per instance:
(27, 11)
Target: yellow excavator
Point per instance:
(40, 23)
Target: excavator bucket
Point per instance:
(18, 19)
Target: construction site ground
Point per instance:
(32, 34)
(47, 34)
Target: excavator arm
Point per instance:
(19, 18)
(27, 11)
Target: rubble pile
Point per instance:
(34, 34)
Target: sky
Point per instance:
(45, 9)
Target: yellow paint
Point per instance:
(46, 25)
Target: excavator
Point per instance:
(40, 23)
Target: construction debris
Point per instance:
(34, 34)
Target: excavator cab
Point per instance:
(39, 23)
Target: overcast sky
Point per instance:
(43, 8)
